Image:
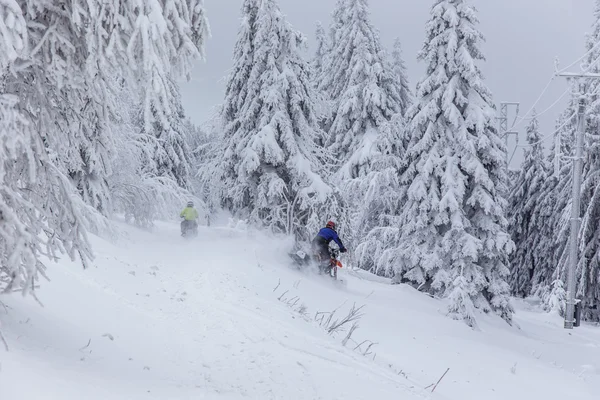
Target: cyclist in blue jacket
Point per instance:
(324, 237)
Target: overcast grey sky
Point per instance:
(523, 39)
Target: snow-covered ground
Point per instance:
(224, 317)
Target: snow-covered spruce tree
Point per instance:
(361, 87)
(338, 17)
(208, 145)
(272, 171)
(454, 241)
(363, 97)
(59, 61)
(552, 213)
(524, 198)
(321, 53)
(377, 225)
(321, 58)
(401, 75)
(138, 189)
(171, 158)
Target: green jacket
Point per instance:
(189, 213)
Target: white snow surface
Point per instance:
(160, 317)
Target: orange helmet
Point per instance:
(330, 224)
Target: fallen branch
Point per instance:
(438, 382)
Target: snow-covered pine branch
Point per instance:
(60, 66)
(38, 209)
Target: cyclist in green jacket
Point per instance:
(190, 218)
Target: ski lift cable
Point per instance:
(551, 106)
(521, 119)
(587, 69)
(590, 51)
(550, 135)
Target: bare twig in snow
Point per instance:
(87, 345)
(320, 314)
(277, 287)
(367, 352)
(328, 321)
(350, 332)
(283, 294)
(360, 344)
(302, 309)
(36, 298)
(353, 315)
(438, 382)
(4, 341)
(293, 301)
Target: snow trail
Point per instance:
(168, 318)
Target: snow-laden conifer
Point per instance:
(400, 74)
(359, 83)
(271, 169)
(454, 241)
(524, 198)
(380, 202)
(321, 53)
(172, 155)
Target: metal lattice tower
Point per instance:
(503, 128)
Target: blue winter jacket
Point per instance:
(329, 234)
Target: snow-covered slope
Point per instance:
(224, 317)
